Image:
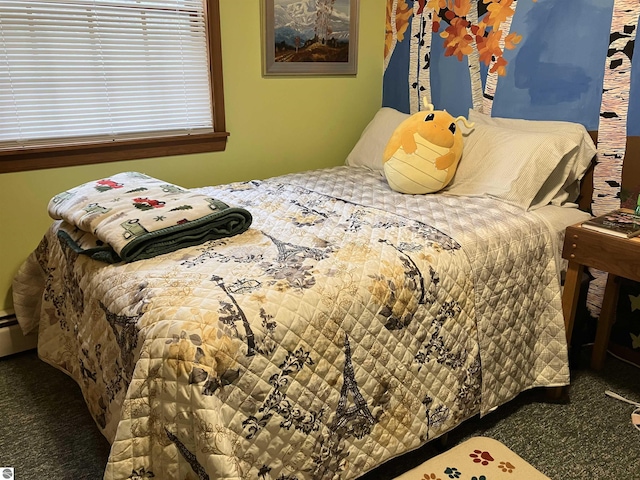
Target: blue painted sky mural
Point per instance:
(558, 69)
(451, 86)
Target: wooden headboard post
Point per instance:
(586, 184)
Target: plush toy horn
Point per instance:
(466, 122)
(427, 105)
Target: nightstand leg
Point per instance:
(605, 322)
(570, 296)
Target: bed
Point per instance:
(347, 325)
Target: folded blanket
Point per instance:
(131, 216)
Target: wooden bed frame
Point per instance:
(586, 185)
(630, 188)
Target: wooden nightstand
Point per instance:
(619, 257)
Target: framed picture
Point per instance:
(310, 37)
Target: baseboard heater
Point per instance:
(12, 340)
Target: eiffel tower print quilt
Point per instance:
(349, 324)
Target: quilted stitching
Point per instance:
(518, 298)
(199, 403)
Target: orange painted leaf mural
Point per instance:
(457, 40)
(498, 12)
(460, 33)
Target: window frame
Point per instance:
(42, 157)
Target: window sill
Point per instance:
(52, 157)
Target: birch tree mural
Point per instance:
(398, 14)
(612, 128)
(391, 32)
(477, 29)
(499, 17)
(420, 56)
(480, 30)
(474, 64)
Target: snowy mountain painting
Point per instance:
(311, 30)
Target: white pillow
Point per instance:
(563, 184)
(512, 165)
(374, 138)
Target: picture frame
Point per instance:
(297, 40)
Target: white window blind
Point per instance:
(80, 71)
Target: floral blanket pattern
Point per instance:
(327, 338)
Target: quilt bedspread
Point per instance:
(348, 325)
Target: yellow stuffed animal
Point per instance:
(423, 153)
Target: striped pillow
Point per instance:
(511, 165)
(563, 185)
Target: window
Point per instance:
(91, 81)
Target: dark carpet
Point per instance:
(46, 432)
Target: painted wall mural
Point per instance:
(535, 59)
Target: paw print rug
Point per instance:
(479, 458)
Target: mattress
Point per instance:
(349, 325)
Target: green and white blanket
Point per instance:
(131, 216)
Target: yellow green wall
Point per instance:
(278, 125)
